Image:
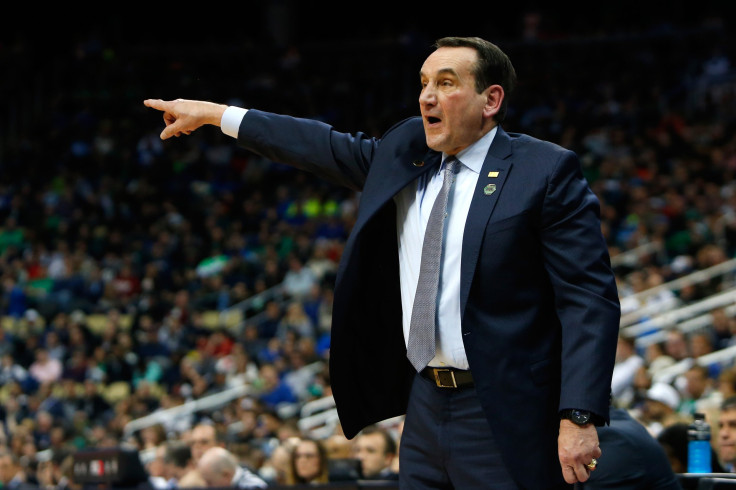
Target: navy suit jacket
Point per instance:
(539, 305)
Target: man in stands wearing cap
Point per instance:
(660, 408)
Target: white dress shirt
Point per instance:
(413, 205)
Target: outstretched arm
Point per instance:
(184, 116)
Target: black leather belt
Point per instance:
(448, 377)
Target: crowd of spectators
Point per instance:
(101, 219)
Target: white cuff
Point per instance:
(231, 119)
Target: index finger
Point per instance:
(159, 104)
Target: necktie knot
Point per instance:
(452, 165)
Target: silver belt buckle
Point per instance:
(445, 378)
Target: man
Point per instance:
(660, 408)
(727, 434)
(375, 448)
(700, 393)
(634, 459)
(219, 468)
(628, 363)
(513, 346)
(176, 461)
(12, 474)
(202, 437)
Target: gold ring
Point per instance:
(592, 464)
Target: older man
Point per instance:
(727, 434)
(218, 467)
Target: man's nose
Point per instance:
(427, 96)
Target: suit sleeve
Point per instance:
(586, 299)
(309, 145)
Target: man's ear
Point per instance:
(494, 98)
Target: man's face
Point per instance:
(452, 111)
(7, 469)
(203, 438)
(370, 449)
(696, 383)
(727, 436)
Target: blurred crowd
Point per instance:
(101, 219)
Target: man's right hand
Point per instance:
(184, 116)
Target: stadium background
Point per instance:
(138, 274)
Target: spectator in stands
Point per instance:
(218, 467)
(657, 359)
(674, 442)
(338, 446)
(202, 437)
(153, 463)
(192, 479)
(45, 368)
(660, 408)
(375, 448)
(721, 329)
(54, 473)
(298, 280)
(677, 346)
(12, 372)
(309, 463)
(12, 474)
(699, 394)
(296, 321)
(702, 345)
(628, 362)
(727, 382)
(268, 325)
(634, 459)
(727, 434)
(276, 469)
(273, 391)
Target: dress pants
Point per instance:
(447, 443)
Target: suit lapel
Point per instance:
(495, 170)
(388, 180)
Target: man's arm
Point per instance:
(576, 259)
(340, 158)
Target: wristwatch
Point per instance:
(577, 416)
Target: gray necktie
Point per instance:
(421, 347)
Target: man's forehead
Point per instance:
(449, 60)
(728, 414)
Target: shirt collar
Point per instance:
(474, 155)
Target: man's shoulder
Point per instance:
(245, 478)
(529, 143)
(413, 123)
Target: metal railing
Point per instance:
(722, 269)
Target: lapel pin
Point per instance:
(489, 189)
(493, 174)
(418, 163)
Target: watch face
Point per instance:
(580, 417)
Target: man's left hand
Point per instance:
(577, 446)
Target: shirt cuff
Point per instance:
(231, 119)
